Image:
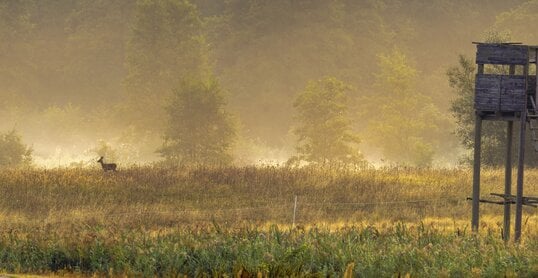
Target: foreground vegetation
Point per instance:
(215, 221)
(274, 252)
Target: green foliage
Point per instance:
(275, 252)
(166, 45)
(404, 123)
(13, 152)
(125, 56)
(90, 53)
(199, 131)
(462, 79)
(324, 126)
(267, 50)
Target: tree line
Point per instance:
(198, 80)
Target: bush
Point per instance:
(13, 152)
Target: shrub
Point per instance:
(13, 152)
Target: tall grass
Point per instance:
(365, 251)
(161, 221)
(160, 197)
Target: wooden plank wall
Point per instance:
(502, 54)
(505, 93)
(487, 92)
(513, 93)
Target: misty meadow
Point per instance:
(253, 138)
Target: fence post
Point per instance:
(294, 212)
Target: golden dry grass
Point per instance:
(155, 198)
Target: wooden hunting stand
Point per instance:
(509, 97)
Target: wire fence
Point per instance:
(345, 205)
(292, 211)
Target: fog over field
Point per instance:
(81, 79)
(268, 138)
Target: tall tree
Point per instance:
(200, 130)
(167, 44)
(324, 127)
(268, 50)
(407, 127)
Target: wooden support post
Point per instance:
(508, 180)
(508, 172)
(536, 69)
(480, 68)
(476, 164)
(521, 166)
(520, 169)
(476, 172)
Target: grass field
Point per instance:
(237, 221)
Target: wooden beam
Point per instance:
(502, 54)
(499, 43)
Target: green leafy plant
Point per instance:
(200, 130)
(324, 126)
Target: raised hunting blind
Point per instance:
(505, 91)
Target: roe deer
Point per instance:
(107, 166)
